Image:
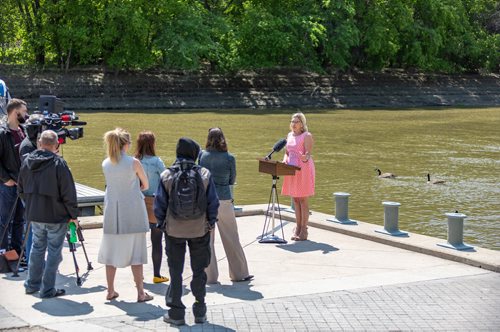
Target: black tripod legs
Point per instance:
(72, 249)
(81, 239)
(26, 235)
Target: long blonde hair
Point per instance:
(115, 141)
(302, 119)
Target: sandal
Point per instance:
(146, 298)
(113, 296)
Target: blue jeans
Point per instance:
(41, 273)
(8, 196)
(29, 243)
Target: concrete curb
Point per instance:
(479, 257)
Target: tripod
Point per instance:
(7, 226)
(72, 249)
(274, 168)
(272, 206)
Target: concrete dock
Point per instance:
(345, 277)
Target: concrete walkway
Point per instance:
(331, 282)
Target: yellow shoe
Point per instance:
(160, 279)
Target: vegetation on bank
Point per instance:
(225, 35)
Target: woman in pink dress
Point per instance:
(299, 144)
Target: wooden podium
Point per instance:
(275, 168)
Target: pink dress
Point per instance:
(302, 183)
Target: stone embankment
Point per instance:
(98, 89)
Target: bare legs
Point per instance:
(138, 279)
(110, 278)
(302, 217)
(298, 218)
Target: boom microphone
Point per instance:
(277, 147)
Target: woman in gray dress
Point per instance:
(125, 219)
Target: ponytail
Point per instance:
(115, 141)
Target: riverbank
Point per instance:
(93, 88)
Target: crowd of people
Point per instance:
(179, 205)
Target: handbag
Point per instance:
(8, 261)
(150, 209)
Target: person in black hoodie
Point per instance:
(193, 230)
(47, 187)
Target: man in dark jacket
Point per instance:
(180, 229)
(11, 136)
(48, 190)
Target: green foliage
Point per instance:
(429, 35)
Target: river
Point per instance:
(460, 146)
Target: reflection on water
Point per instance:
(460, 146)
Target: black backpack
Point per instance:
(188, 199)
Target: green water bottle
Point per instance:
(72, 232)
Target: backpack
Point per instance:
(187, 197)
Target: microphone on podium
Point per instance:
(277, 147)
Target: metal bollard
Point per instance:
(342, 209)
(391, 213)
(456, 232)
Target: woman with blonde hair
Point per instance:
(299, 145)
(153, 167)
(125, 219)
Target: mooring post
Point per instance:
(391, 216)
(456, 232)
(342, 209)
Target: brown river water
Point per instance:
(460, 146)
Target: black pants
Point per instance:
(199, 251)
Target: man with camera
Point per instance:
(11, 136)
(47, 187)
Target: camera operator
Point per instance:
(32, 129)
(11, 136)
(48, 190)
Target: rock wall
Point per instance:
(97, 89)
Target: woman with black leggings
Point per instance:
(153, 166)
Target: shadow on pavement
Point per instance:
(62, 307)
(240, 290)
(202, 327)
(68, 282)
(306, 246)
(158, 289)
(142, 311)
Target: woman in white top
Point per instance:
(125, 218)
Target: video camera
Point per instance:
(51, 115)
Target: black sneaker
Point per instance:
(30, 291)
(59, 292)
(200, 320)
(177, 322)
